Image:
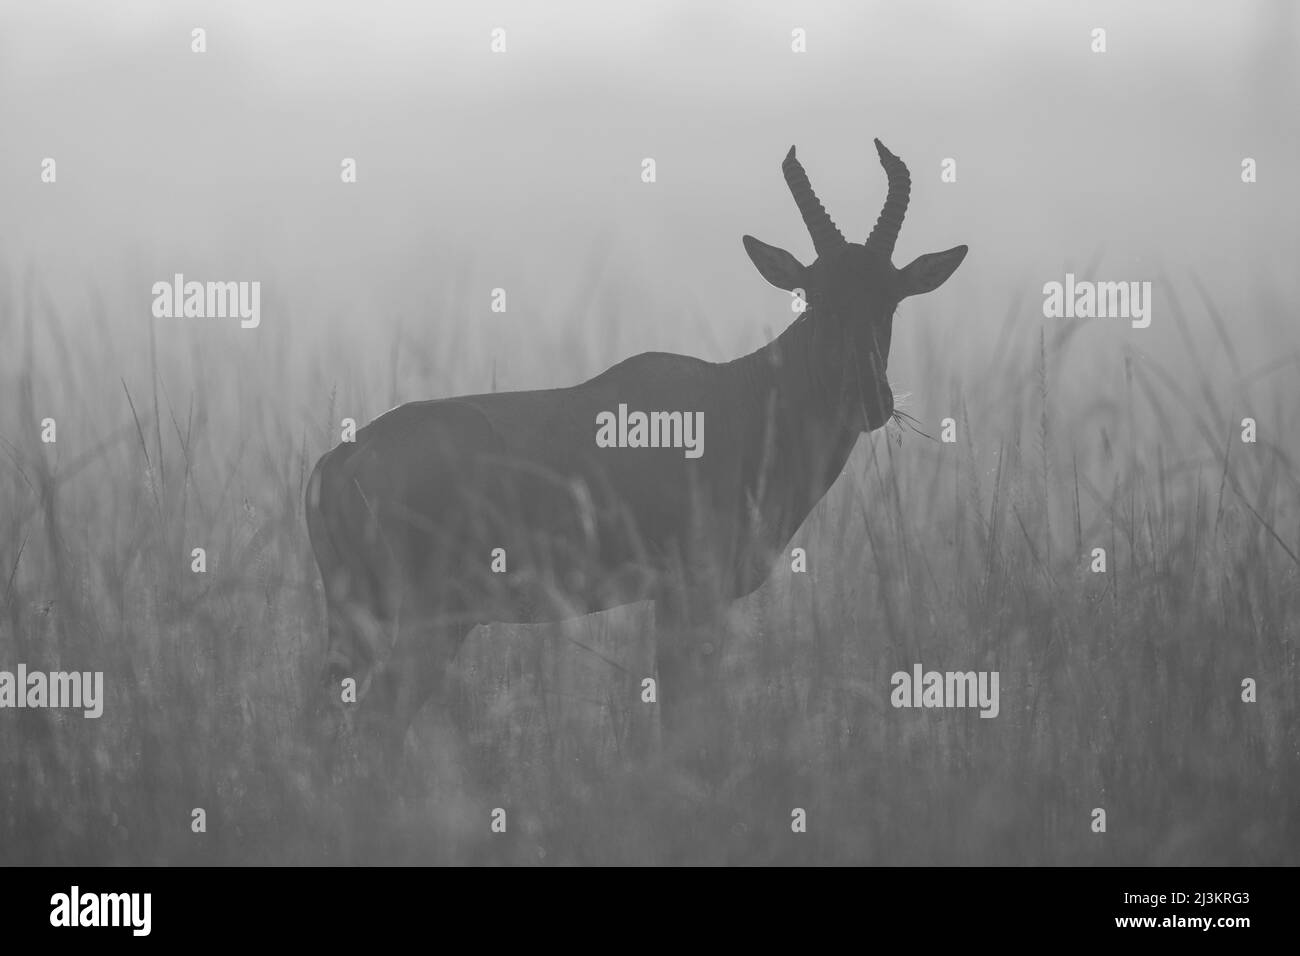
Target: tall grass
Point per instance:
(1118, 690)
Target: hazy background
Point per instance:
(518, 170)
(522, 170)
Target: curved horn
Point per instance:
(825, 235)
(885, 232)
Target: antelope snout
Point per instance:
(878, 406)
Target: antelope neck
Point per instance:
(803, 372)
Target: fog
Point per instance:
(522, 170)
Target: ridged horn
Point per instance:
(885, 232)
(825, 235)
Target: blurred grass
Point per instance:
(1118, 690)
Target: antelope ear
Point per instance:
(926, 273)
(776, 265)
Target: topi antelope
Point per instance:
(408, 521)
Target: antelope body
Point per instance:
(501, 507)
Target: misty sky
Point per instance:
(522, 170)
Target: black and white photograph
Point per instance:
(676, 434)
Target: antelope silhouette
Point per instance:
(446, 514)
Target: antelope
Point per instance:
(446, 514)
